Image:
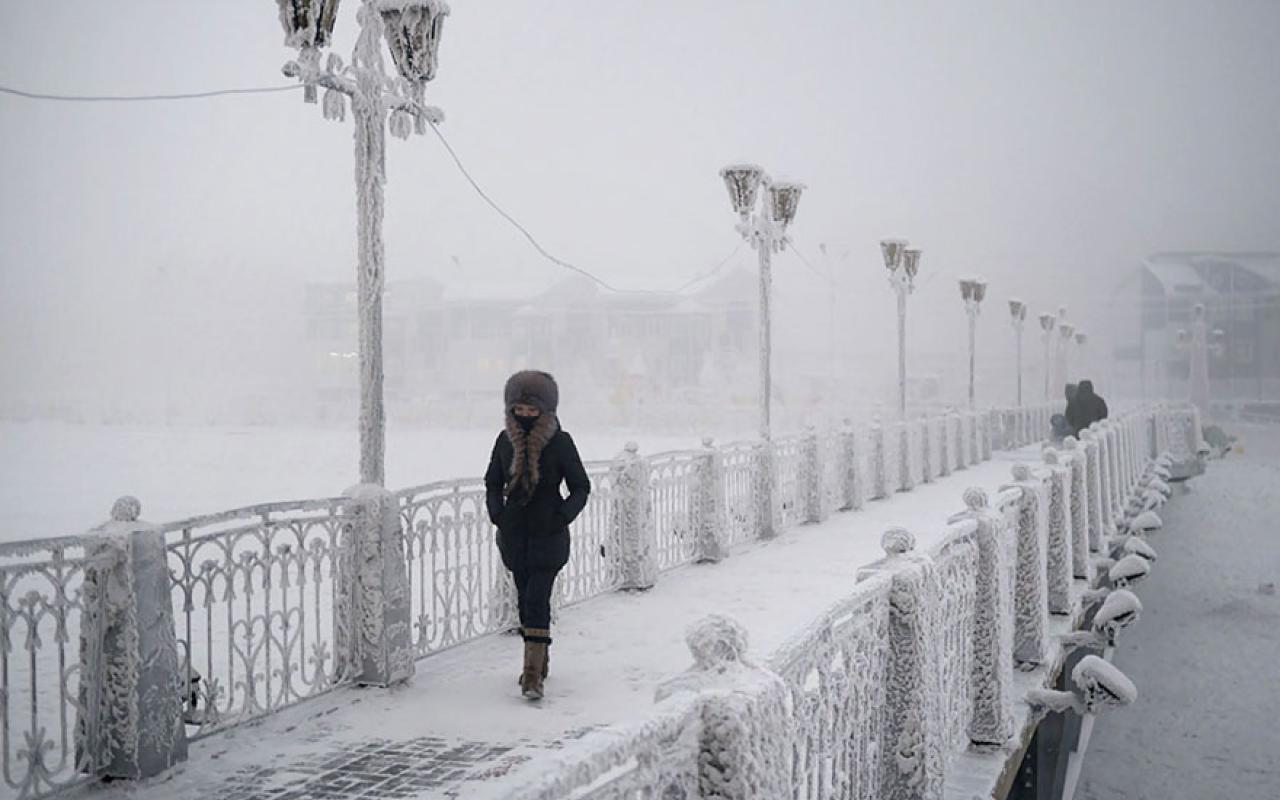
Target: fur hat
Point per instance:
(534, 388)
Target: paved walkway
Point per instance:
(1206, 653)
(462, 721)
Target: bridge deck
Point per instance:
(461, 725)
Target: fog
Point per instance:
(155, 257)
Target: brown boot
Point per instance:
(536, 641)
(546, 664)
(535, 654)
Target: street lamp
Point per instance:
(1067, 332)
(903, 264)
(1201, 342)
(1081, 366)
(1047, 322)
(412, 29)
(766, 231)
(972, 291)
(1018, 316)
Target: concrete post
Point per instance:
(814, 508)
(851, 477)
(944, 442)
(905, 480)
(991, 722)
(1031, 602)
(129, 723)
(631, 520)
(375, 633)
(879, 469)
(1059, 556)
(712, 521)
(926, 451)
(912, 768)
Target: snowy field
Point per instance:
(60, 479)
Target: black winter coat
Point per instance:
(533, 532)
(1085, 408)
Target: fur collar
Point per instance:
(528, 450)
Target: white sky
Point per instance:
(1045, 145)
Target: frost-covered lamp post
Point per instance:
(1047, 322)
(972, 291)
(766, 230)
(412, 30)
(1066, 332)
(1080, 364)
(1018, 315)
(903, 264)
(1200, 342)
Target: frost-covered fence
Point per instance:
(254, 593)
(915, 666)
(49, 671)
(278, 603)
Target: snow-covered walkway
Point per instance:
(462, 720)
(1206, 653)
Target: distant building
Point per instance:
(1241, 294)
(444, 347)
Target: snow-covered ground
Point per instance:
(60, 479)
(1206, 654)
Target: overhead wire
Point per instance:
(453, 154)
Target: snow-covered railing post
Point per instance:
(1093, 486)
(906, 482)
(991, 720)
(712, 521)
(913, 762)
(961, 453)
(1079, 508)
(1104, 480)
(879, 470)
(631, 520)
(1119, 491)
(746, 727)
(850, 476)
(767, 491)
(1059, 555)
(1030, 599)
(975, 437)
(988, 435)
(129, 724)
(374, 640)
(944, 444)
(813, 474)
(926, 451)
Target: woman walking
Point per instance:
(530, 459)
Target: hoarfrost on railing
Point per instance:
(673, 486)
(255, 606)
(834, 673)
(48, 702)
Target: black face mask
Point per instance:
(526, 423)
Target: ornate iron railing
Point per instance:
(835, 674)
(792, 474)
(740, 492)
(255, 607)
(674, 492)
(456, 577)
(50, 674)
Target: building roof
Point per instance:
(1195, 272)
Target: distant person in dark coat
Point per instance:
(531, 458)
(1085, 408)
(1062, 428)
